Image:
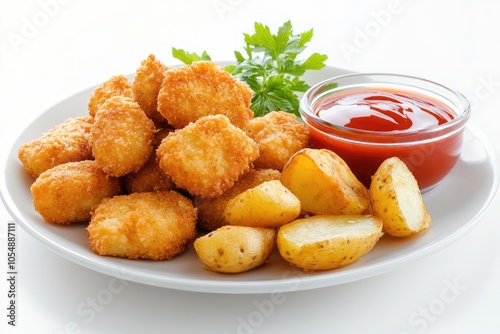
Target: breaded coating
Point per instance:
(150, 177)
(279, 135)
(121, 136)
(207, 156)
(117, 85)
(66, 193)
(66, 142)
(155, 226)
(210, 210)
(200, 89)
(146, 86)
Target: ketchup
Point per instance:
(391, 123)
(382, 111)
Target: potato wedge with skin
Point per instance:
(324, 183)
(396, 198)
(325, 242)
(270, 204)
(235, 249)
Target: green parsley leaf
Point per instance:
(269, 65)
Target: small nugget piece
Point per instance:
(66, 142)
(116, 85)
(200, 89)
(121, 136)
(150, 177)
(211, 210)
(66, 193)
(146, 86)
(279, 135)
(208, 156)
(155, 226)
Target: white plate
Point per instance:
(456, 206)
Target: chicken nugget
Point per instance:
(155, 226)
(146, 86)
(66, 193)
(121, 136)
(116, 85)
(200, 89)
(66, 142)
(150, 177)
(207, 156)
(210, 210)
(279, 135)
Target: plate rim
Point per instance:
(99, 264)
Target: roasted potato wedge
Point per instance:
(270, 204)
(235, 249)
(325, 242)
(324, 183)
(396, 198)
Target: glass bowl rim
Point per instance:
(306, 105)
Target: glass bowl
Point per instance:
(430, 150)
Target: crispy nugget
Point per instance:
(66, 193)
(210, 210)
(200, 89)
(279, 135)
(154, 226)
(117, 85)
(207, 156)
(146, 86)
(150, 177)
(121, 136)
(66, 142)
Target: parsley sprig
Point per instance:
(270, 66)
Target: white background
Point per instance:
(52, 49)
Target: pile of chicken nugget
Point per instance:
(157, 158)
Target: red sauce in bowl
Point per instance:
(367, 125)
(382, 111)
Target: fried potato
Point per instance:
(325, 242)
(324, 184)
(279, 135)
(146, 86)
(201, 89)
(121, 136)
(66, 142)
(211, 210)
(396, 198)
(155, 226)
(269, 204)
(235, 249)
(66, 193)
(207, 156)
(117, 85)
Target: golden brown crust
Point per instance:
(66, 193)
(210, 210)
(146, 86)
(121, 136)
(66, 142)
(200, 89)
(154, 226)
(117, 85)
(208, 156)
(279, 135)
